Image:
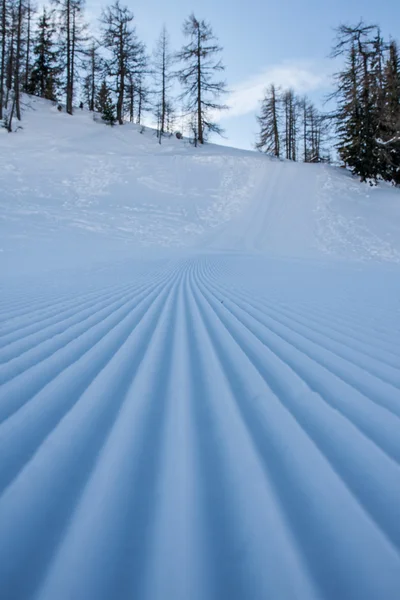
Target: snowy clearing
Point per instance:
(199, 372)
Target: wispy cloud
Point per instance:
(301, 76)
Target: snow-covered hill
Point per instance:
(199, 371)
(73, 190)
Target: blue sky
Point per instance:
(287, 42)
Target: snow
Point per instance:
(199, 371)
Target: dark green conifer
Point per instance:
(105, 105)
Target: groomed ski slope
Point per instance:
(199, 372)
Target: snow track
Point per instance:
(205, 428)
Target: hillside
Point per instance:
(75, 190)
(199, 371)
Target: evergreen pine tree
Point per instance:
(104, 104)
(357, 117)
(390, 128)
(43, 79)
(348, 113)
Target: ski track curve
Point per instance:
(195, 429)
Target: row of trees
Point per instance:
(56, 58)
(291, 127)
(31, 59)
(15, 29)
(366, 119)
(367, 92)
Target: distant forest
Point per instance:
(52, 54)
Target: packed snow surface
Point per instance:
(199, 371)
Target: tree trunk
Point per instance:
(163, 99)
(28, 45)
(131, 100)
(293, 129)
(304, 130)
(10, 63)
(140, 103)
(92, 88)
(131, 108)
(69, 87)
(73, 45)
(9, 127)
(17, 97)
(199, 111)
(3, 55)
(42, 75)
(120, 101)
(275, 124)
